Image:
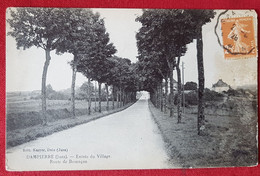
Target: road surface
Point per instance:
(125, 140)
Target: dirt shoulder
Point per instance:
(20, 136)
(227, 141)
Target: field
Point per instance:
(24, 116)
(35, 105)
(18, 103)
(23, 112)
(229, 137)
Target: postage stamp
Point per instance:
(238, 38)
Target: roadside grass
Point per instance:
(227, 141)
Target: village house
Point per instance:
(220, 86)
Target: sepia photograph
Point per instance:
(113, 89)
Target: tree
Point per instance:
(152, 65)
(129, 82)
(87, 89)
(177, 28)
(112, 79)
(199, 18)
(77, 41)
(49, 91)
(40, 27)
(152, 70)
(119, 75)
(190, 86)
(95, 64)
(166, 32)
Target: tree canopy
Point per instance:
(162, 39)
(40, 27)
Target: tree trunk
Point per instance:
(154, 97)
(89, 96)
(124, 102)
(201, 117)
(74, 72)
(120, 97)
(157, 96)
(161, 96)
(179, 90)
(99, 97)
(126, 97)
(151, 98)
(123, 97)
(95, 94)
(107, 94)
(166, 95)
(171, 96)
(117, 98)
(44, 76)
(113, 98)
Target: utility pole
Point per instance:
(183, 93)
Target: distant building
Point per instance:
(220, 86)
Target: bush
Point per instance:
(190, 86)
(57, 96)
(191, 98)
(232, 92)
(210, 95)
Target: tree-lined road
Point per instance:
(125, 140)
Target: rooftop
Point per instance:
(220, 83)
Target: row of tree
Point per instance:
(161, 41)
(83, 34)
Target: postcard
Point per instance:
(113, 89)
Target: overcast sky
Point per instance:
(24, 67)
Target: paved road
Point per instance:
(125, 140)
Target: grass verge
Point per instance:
(227, 142)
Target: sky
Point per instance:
(24, 67)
